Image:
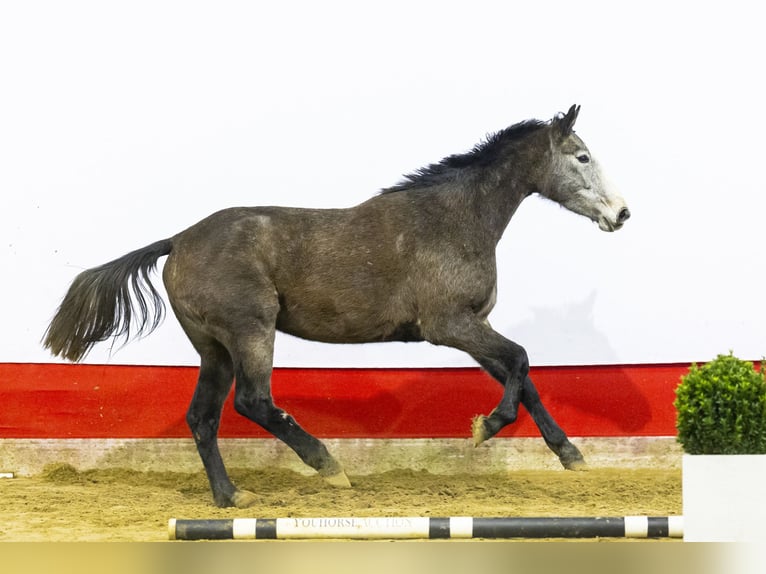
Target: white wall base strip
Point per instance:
(26, 457)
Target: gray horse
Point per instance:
(414, 263)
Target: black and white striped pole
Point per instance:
(425, 528)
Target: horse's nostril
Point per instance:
(624, 215)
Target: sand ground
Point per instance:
(62, 504)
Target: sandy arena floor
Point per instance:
(63, 504)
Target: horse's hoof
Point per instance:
(575, 465)
(571, 458)
(479, 430)
(338, 480)
(244, 499)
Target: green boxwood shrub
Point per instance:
(721, 408)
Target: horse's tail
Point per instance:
(101, 303)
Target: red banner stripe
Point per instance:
(111, 401)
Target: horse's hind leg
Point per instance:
(203, 417)
(252, 398)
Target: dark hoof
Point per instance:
(571, 458)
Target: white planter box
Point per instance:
(724, 498)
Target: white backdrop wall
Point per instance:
(124, 122)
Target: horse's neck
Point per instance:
(504, 186)
(495, 203)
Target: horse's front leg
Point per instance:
(554, 436)
(556, 439)
(507, 362)
(504, 359)
(510, 367)
(512, 373)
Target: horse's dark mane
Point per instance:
(482, 155)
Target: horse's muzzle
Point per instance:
(609, 224)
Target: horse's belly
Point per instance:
(329, 327)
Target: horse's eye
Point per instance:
(583, 158)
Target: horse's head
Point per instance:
(575, 181)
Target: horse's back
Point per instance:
(318, 273)
(382, 270)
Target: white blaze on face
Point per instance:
(611, 210)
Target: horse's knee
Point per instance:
(517, 360)
(202, 426)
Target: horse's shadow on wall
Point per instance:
(571, 331)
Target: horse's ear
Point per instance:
(566, 122)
